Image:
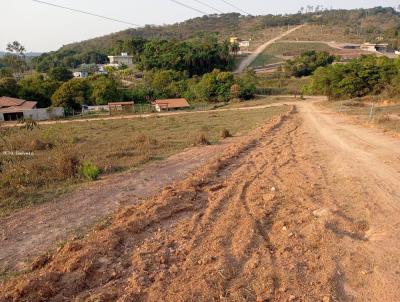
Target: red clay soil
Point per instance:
(303, 209)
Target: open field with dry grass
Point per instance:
(281, 51)
(113, 146)
(324, 33)
(382, 114)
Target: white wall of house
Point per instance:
(44, 114)
(123, 59)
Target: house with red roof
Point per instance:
(12, 109)
(168, 104)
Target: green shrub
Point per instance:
(89, 171)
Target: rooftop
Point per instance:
(172, 103)
(12, 105)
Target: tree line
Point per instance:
(360, 77)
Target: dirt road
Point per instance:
(305, 208)
(248, 60)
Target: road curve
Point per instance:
(247, 61)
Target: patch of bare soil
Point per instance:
(32, 231)
(284, 215)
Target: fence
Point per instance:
(371, 112)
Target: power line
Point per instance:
(86, 13)
(189, 7)
(234, 6)
(209, 6)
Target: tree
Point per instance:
(61, 74)
(195, 57)
(72, 94)
(36, 88)
(166, 83)
(248, 85)
(15, 60)
(103, 90)
(307, 63)
(17, 48)
(215, 86)
(235, 48)
(8, 87)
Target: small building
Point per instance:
(382, 47)
(169, 104)
(121, 106)
(81, 74)
(12, 109)
(234, 40)
(244, 44)
(123, 59)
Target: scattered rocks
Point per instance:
(292, 298)
(174, 269)
(273, 189)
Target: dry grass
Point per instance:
(385, 117)
(324, 33)
(116, 145)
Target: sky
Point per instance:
(43, 28)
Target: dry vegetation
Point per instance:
(59, 150)
(278, 84)
(280, 51)
(385, 115)
(325, 33)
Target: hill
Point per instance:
(355, 25)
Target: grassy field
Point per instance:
(278, 52)
(381, 114)
(53, 154)
(279, 84)
(324, 33)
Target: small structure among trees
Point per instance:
(169, 104)
(121, 106)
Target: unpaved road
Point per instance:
(305, 208)
(248, 60)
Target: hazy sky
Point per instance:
(45, 28)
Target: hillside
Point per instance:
(344, 25)
(220, 25)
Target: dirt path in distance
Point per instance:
(305, 208)
(248, 60)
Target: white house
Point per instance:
(374, 47)
(244, 43)
(81, 74)
(122, 59)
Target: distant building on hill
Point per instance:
(240, 42)
(81, 74)
(381, 47)
(168, 104)
(123, 59)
